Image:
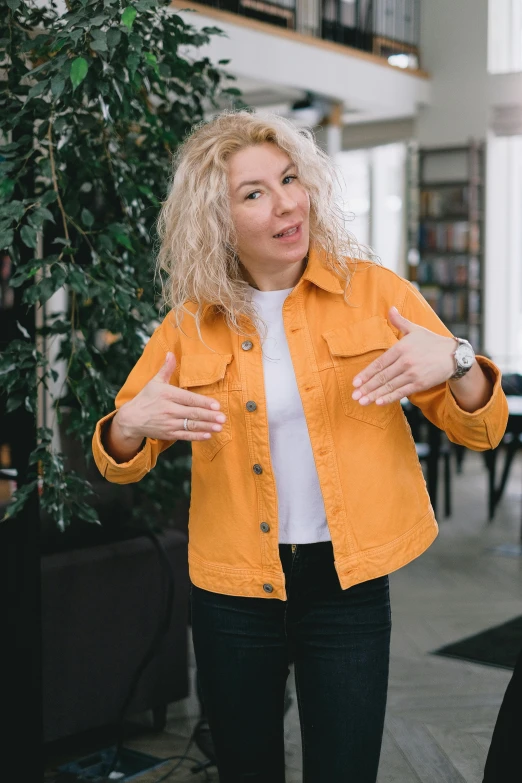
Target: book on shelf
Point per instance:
(449, 206)
(446, 271)
(453, 236)
(450, 200)
(452, 306)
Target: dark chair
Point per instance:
(101, 607)
(512, 441)
(431, 445)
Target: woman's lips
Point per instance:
(292, 237)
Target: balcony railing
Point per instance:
(388, 28)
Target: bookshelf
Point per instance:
(446, 235)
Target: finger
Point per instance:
(165, 372)
(196, 424)
(400, 322)
(379, 365)
(380, 380)
(398, 394)
(390, 388)
(194, 436)
(193, 400)
(203, 415)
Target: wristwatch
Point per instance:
(464, 358)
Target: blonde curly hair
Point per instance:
(196, 261)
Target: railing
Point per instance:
(388, 28)
(384, 27)
(282, 14)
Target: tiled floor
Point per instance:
(441, 712)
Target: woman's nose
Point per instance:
(284, 202)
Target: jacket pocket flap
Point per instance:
(371, 334)
(203, 370)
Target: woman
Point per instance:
(283, 359)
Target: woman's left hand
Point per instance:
(420, 360)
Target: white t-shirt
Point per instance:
(302, 518)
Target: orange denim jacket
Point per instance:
(377, 506)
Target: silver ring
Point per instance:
(185, 424)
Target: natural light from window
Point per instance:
(504, 36)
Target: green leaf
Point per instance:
(79, 68)
(128, 16)
(39, 68)
(87, 218)
(113, 37)
(88, 513)
(149, 193)
(57, 85)
(151, 59)
(12, 147)
(41, 214)
(13, 4)
(38, 89)
(13, 209)
(6, 187)
(133, 60)
(60, 43)
(99, 19)
(77, 280)
(6, 238)
(12, 404)
(124, 240)
(99, 41)
(48, 198)
(28, 236)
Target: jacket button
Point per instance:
(257, 469)
(251, 406)
(268, 588)
(265, 527)
(247, 345)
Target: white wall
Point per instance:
(453, 43)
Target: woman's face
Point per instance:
(270, 210)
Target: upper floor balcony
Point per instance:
(343, 53)
(387, 28)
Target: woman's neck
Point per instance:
(277, 282)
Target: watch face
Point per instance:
(465, 355)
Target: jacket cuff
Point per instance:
(488, 415)
(120, 472)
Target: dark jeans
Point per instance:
(339, 642)
(503, 763)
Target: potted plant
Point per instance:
(93, 104)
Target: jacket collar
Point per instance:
(318, 274)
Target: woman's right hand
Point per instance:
(158, 411)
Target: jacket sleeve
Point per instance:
(484, 428)
(152, 358)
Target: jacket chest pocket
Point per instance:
(352, 349)
(207, 375)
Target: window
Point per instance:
(372, 197)
(504, 36)
(503, 339)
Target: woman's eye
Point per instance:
(252, 196)
(289, 177)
